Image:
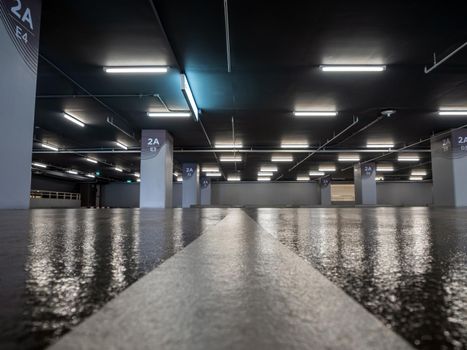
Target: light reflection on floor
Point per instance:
(408, 266)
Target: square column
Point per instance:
(205, 191)
(19, 48)
(365, 183)
(325, 190)
(156, 169)
(449, 167)
(190, 189)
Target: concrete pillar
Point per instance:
(19, 48)
(205, 191)
(325, 190)
(156, 184)
(365, 183)
(191, 190)
(449, 167)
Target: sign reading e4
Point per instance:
(24, 15)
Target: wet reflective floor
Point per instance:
(59, 266)
(407, 266)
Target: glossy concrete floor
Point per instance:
(247, 281)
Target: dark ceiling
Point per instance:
(276, 50)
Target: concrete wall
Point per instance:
(265, 194)
(48, 184)
(54, 203)
(123, 195)
(404, 193)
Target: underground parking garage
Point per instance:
(233, 175)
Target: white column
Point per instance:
(205, 191)
(325, 190)
(19, 47)
(156, 169)
(365, 183)
(191, 190)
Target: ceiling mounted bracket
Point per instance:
(437, 64)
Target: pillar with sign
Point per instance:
(449, 167)
(365, 183)
(19, 49)
(205, 191)
(156, 169)
(325, 190)
(190, 189)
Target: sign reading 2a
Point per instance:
(25, 16)
(189, 171)
(153, 144)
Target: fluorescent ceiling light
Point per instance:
(138, 180)
(169, 114)
(327, 168)
(379, 178)
(315, 113)
(73, 172)
(180, 179)
(283, 159)
(90, 160)
(209, 169)
(229, 145)
(92, 176)
(418, 173)
(294, 145)
(416, 178)
(135, 70)
(186, 90)
(39, 165)
(137, 175)
(73, 120)
(118, 169)
(408, 158)
(348, 158)
(453, 112)
(231, 158)
(303, 178)
(384, 168)
(233, 178)
(53, 148)
(121, 145)
(352, 68)
(264, 179)
(176, 174)
(316, 173)
(268, 168)
(265, 173)
(213, 174)
(380, 145)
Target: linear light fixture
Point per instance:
(264, 179)
(53, 148)
(176, 174)
(91, 176)
(379, 178)
(169, 114)
(186, 90)
(229, 145)
(380, 145)
(233, 178)
(282, 159)
(315, 113)
(384, 168)
(452, 112)
(265, 173)
(405, 158)
(121, 145)
(120, 170)
(91, 160)
(416, 178)
(179, 179)
(73, 119)
(294, 145)
(213, 174)
(316, 173)
(268, 168)
(138, 175)
(39, 165)
(303, 178)
(352, 68)
(209, 169)
(418, 173)
(138, 180)
(349, 158)
(231, 158)
(73, 172)
(135, 69)
(327, 168)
